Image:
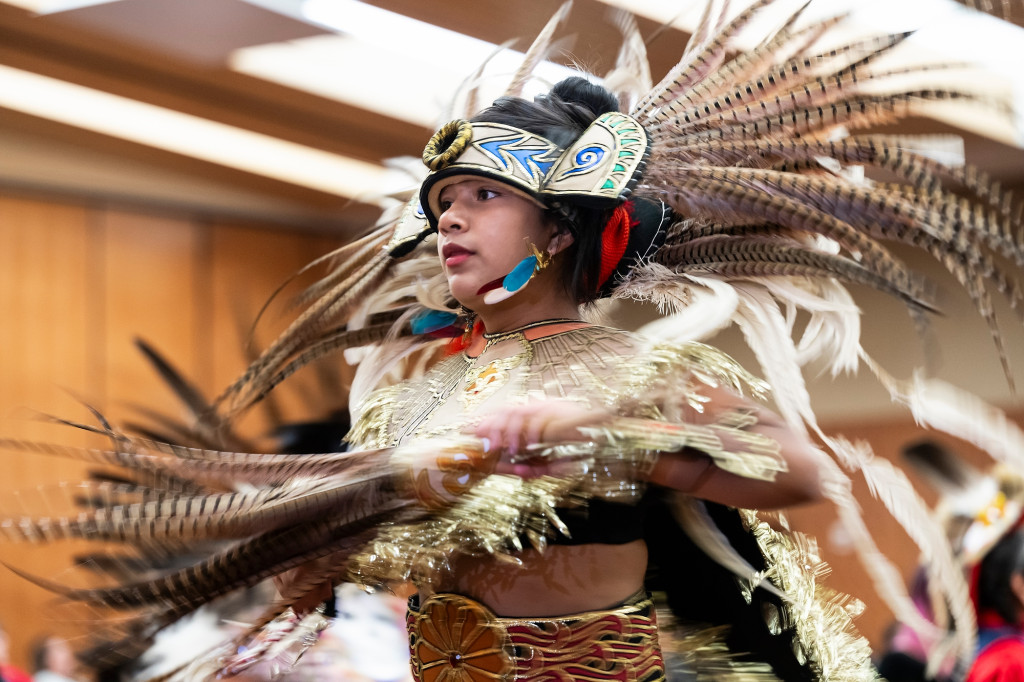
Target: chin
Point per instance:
(465, 293)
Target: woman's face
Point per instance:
(59, 657)
(484, 230)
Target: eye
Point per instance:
(485, 193)
(444, 204)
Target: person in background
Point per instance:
(53, 660)
(999, 593)
(8, 672)
(971, 505)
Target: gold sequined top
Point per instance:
(595, 366)
(629, 376)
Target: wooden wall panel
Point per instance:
(247, 266)
(44, 303)
(150, 292)
(78, 283)
(47, 344)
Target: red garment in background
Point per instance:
(1000, 661)
(8, 673)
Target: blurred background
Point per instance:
(165, 165)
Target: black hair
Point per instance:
(699, 590)
(1001, 563)
(40, 650)
(561, 116)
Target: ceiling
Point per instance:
(184, 56)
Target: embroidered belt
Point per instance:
(456, 639)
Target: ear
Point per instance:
(560, 240)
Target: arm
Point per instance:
(694, 473)
(511, 430)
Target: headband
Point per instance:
(598, 170)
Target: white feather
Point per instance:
(887, 579)
(692, 515)
(832, 332)
(767, 334)
(709, 309)
(375, 364)
(941, 406)
(889, 485)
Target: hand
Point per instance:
(512, 431)
(439, 471)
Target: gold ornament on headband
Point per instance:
(447, 143)
(510, 155)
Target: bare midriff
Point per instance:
(563, 580)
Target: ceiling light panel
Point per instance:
(191, 136)
(50, 6)
(377, 61)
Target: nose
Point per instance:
(451, 219)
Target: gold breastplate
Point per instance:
(596, 366)
(579, 365)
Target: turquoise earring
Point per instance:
(520, 276)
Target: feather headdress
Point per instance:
(757, 156)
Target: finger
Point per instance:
(513, 432)
(534, 429)
(525, 471)
(486, 424)
(492, 426)
(489, 431)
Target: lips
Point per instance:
(453, 254)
